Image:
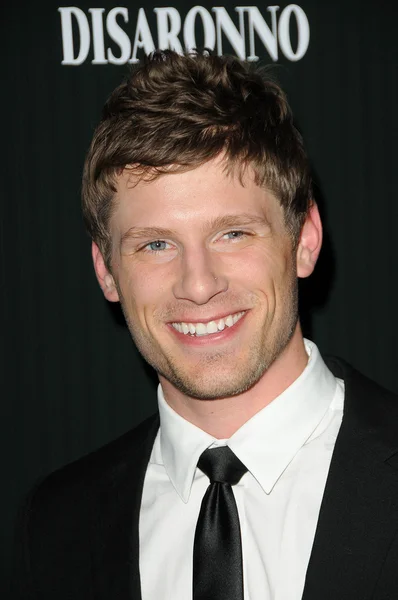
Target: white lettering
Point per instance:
(169, 25)
(118, 35)
(200, 27)
(67, 35)
(208, 28)
(303, 32)
(143, 37)
(98, 36)
(259, 25)
(224, 24)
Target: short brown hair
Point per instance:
(175, 112)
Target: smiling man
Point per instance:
(266, 474)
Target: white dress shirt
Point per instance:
(287, 448)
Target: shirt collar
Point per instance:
(181, 444)
(266, 444)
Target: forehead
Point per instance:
(192, 197)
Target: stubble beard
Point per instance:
(209, 382)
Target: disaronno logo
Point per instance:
(250, 31)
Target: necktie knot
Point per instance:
(221, 465)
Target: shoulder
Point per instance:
(78, 482)
(359, 383)
(69, 508)
(368, 406)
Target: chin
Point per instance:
(213, 383)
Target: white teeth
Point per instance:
(212, 327)
(208, 328)
(201, 329)
(229, 321)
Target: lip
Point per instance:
(213, 338)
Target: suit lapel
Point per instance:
(115, 534)
(359, 512)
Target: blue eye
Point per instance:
(157, 246)
(233, 235)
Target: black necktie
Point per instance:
(217, 553)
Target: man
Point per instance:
(266, 475)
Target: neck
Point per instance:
(222, 417)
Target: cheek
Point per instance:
(264, 268)
(142, 288)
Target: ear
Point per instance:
(310, 242)
(105, 279)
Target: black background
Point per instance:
(72, 379)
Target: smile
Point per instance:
(208, 328)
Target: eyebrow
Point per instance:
(224, 222)
(136, 233)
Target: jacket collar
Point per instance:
(359, 512)
(115, 521)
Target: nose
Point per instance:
(200, 279)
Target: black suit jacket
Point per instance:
(79, 533)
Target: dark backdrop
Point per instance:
(71, 378)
